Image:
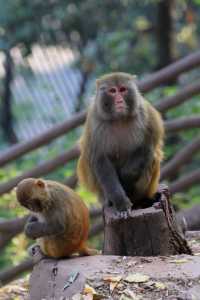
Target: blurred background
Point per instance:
(50, 54)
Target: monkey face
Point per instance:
(116, 96)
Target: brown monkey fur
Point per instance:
(121, 146)
(59, 218)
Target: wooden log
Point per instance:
(145, 232)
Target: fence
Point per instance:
(41, 90)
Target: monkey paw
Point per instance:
(123, 214)
(35, 252)
(122, 205)
(31, 230)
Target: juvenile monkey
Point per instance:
(121, 147)
(59, 218)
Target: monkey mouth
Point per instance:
(121, 109)
(33, 205)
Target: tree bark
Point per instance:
(6, 114)
(143, 233)
(165, 33)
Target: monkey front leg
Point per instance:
(113, 191)
(35, 229)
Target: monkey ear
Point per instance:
(40, 183)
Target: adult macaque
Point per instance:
(121, 147)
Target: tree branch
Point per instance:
(42, 169)
(170, 72)
(56, 131)
(6, 238)
(180, 159)
(185, 182)
(182, 124)
(9, 229)
(14, 225)
(190, 217)
(184, 94)
(12, 273)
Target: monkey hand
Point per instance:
(121, 204)
(33, 230)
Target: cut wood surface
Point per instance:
(176, 276)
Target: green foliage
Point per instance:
(110, 35)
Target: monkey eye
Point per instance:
(122, 89)
(112, 90)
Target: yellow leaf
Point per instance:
(179, 261)
(89, 290)
(113, 286)
(159, 285)
(137, 278)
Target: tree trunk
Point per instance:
(164, 33)
(6, 112)
(143, 233)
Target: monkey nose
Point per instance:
(119, 99)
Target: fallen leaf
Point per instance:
(137, 278)
(160, 285)
(112, 278)
(88, 290)
(179, 261)
(113, 285)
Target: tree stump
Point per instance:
(65, 279)
(145, 232)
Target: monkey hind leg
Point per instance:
(154, 182)
(86, 251)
